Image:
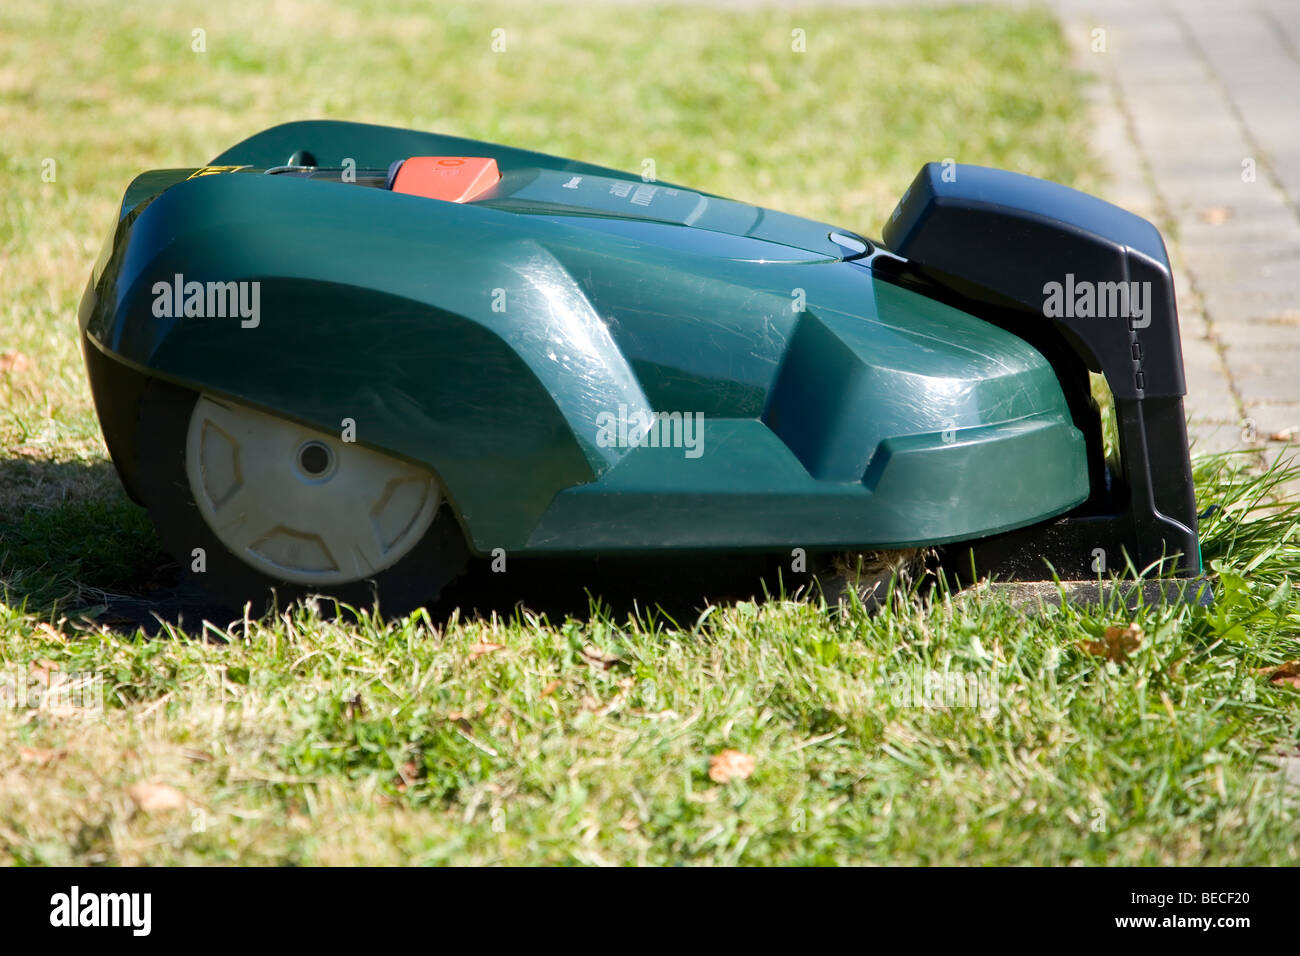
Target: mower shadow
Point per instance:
(70, 538)
(73, 545)
(679, 585)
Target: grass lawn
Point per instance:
(954, 731)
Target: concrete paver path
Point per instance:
(1198, 118)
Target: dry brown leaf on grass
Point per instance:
(14, 362)
(730, 765)
(40, 757)
(1117, 644)
(155, 797)
(551, 688)
(594, 656)
(478, 650)
(51, 633)
(1287, 673)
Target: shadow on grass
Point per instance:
(69, 537)
(680, 585)
(72, 544)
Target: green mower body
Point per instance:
(581, 361)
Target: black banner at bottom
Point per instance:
(330, 907)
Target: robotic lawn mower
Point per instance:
(343, 358)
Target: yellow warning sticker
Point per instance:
(213, 170)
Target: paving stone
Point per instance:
(1190, 91)
(1209, 398)
(1236, 214)
(1279, 337)
(1211, 439)
(1241, 259)
(1276, 421)
(1034, 597)
(1246, 305)
(1263, 382)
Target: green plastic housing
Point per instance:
(503, 342)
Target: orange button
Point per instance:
(451, 178)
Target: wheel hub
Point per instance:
(301, 505)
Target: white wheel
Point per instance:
(300, 505)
